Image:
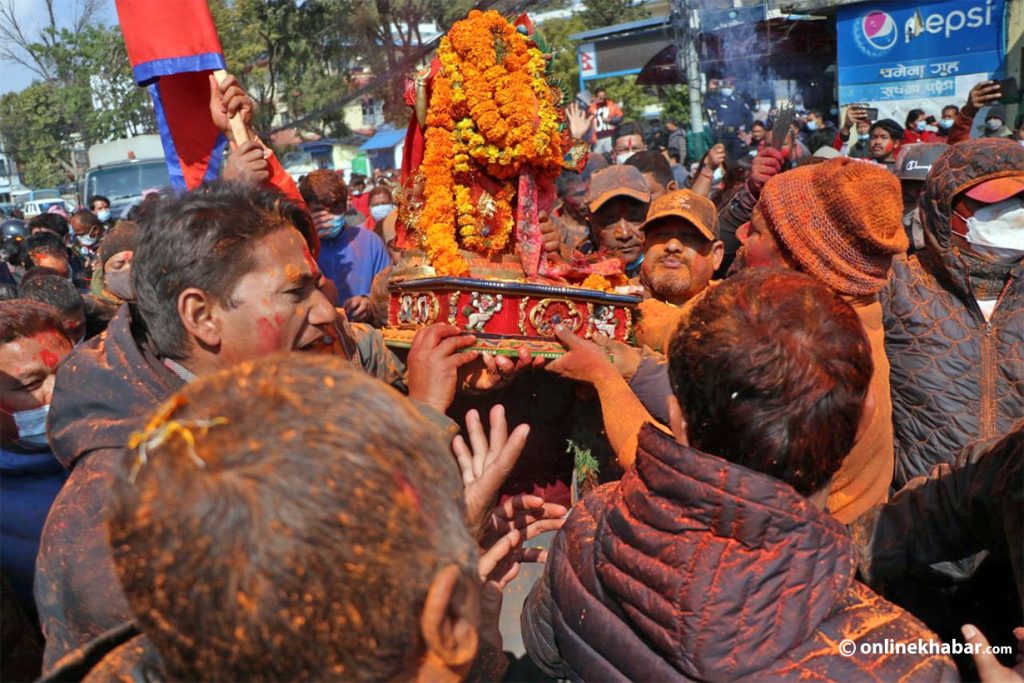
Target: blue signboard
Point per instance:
(930, 42)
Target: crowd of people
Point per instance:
(213, 468)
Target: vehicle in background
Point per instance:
(122, 170)
(35, 207)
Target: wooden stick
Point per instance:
(237, 125)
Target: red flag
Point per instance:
(173, 46)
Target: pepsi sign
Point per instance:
(882, 42)
(875, 33)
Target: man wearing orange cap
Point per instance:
(681, 247)
(840, 221)
(954, 312)
(618, 200)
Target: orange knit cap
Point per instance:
(841, 220)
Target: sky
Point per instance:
(32, 15)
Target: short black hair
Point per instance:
(771, 371)
(295, 535)
(46, 243)
(203, 238)
(98, 198)
(913, 115)
(894, 129)
(87, 217)
(956, 109)
(26, 318)
(8, 291)
(52, 222)
(51, 289)
(652, 161)
(627, 128)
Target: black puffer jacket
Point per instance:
(956, 377)
(692, 568)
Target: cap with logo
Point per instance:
(617, 181)
(693, 208)
(913, 162)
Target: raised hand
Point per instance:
(579, 120)
(226, 100)
(487, 464)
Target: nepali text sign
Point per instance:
(892, 51)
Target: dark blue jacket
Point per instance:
(28, 484)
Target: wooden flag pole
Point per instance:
(237, 125)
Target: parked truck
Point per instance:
(121, 170)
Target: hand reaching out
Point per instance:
(585, 360)
(434, 361)
(990, 670)
(494, 371)
(579, 120)
(487, 465)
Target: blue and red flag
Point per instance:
(173, 46)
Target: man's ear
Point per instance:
(672, 186)
(195, 309)
(449, 624)
(677, 421)
(867, 413)
(717, 254)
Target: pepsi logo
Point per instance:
(875, 33)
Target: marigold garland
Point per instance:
(491, 111)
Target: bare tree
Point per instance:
(21, 44)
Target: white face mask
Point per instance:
(381, 211)
(623, 157)
(997, 230)
(994, 124)
(31, 427)
(86, 240)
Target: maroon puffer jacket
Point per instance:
(693, 568)
(956, 378)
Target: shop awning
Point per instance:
(383, 139)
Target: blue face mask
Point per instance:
(103, 215)
(920, 126)
(864, 137)
(946, 123)
(727, 92)
(337, 225)
(812, 126)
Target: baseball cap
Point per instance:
(997, 189)
(693, 208)
(914, 162)
(617, 181)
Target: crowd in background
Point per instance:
(214, 468)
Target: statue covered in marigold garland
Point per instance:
(483, 150)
